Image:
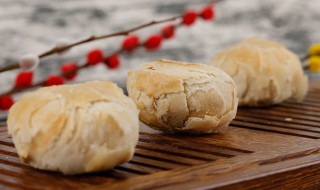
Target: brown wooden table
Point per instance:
(267, 148)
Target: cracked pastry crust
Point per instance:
(177, 97)
(75, 128)
(265, 72)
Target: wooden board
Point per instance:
(269, 148)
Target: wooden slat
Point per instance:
(301, 111)
(272, 118)
(286, 113)
(308, 104)
(136, 169)
(275, 129)
(3, 129)
(10, 182)
(162, 163)
(281, 124)
(209, 148)
(180, 159)
(7, 141)
(171, 150)
(302, 107)
(7, 150)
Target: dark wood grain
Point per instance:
(267, 148)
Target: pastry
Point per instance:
(177, 97)
(265, 72)
(76, 128)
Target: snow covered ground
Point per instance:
(35, 25)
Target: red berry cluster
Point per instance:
(24, 79)
(130, 43)
(6, 102)
(154, 41)
(207, 13)
(96, 56)
(168, 31)
(69, 70)
(190, 16)
(54, 80)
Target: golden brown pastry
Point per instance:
(180, 97)
(75, 128)
(265, 72)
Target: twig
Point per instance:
(65, 75)
(90, 39)
(42, 83)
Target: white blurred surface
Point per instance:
(32, 26)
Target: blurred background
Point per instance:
(33, 26)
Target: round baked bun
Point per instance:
(76, 128)
(177, 97)
(265, 72)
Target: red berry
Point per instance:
(168, 31)
(189, 17)
(6, 102)
(130, 43)
(71, 69)
(24, 79)
(113, 61)
(54, 80)
(207, 13)
(94, 57)
(153, 42)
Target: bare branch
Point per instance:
(90, 39)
